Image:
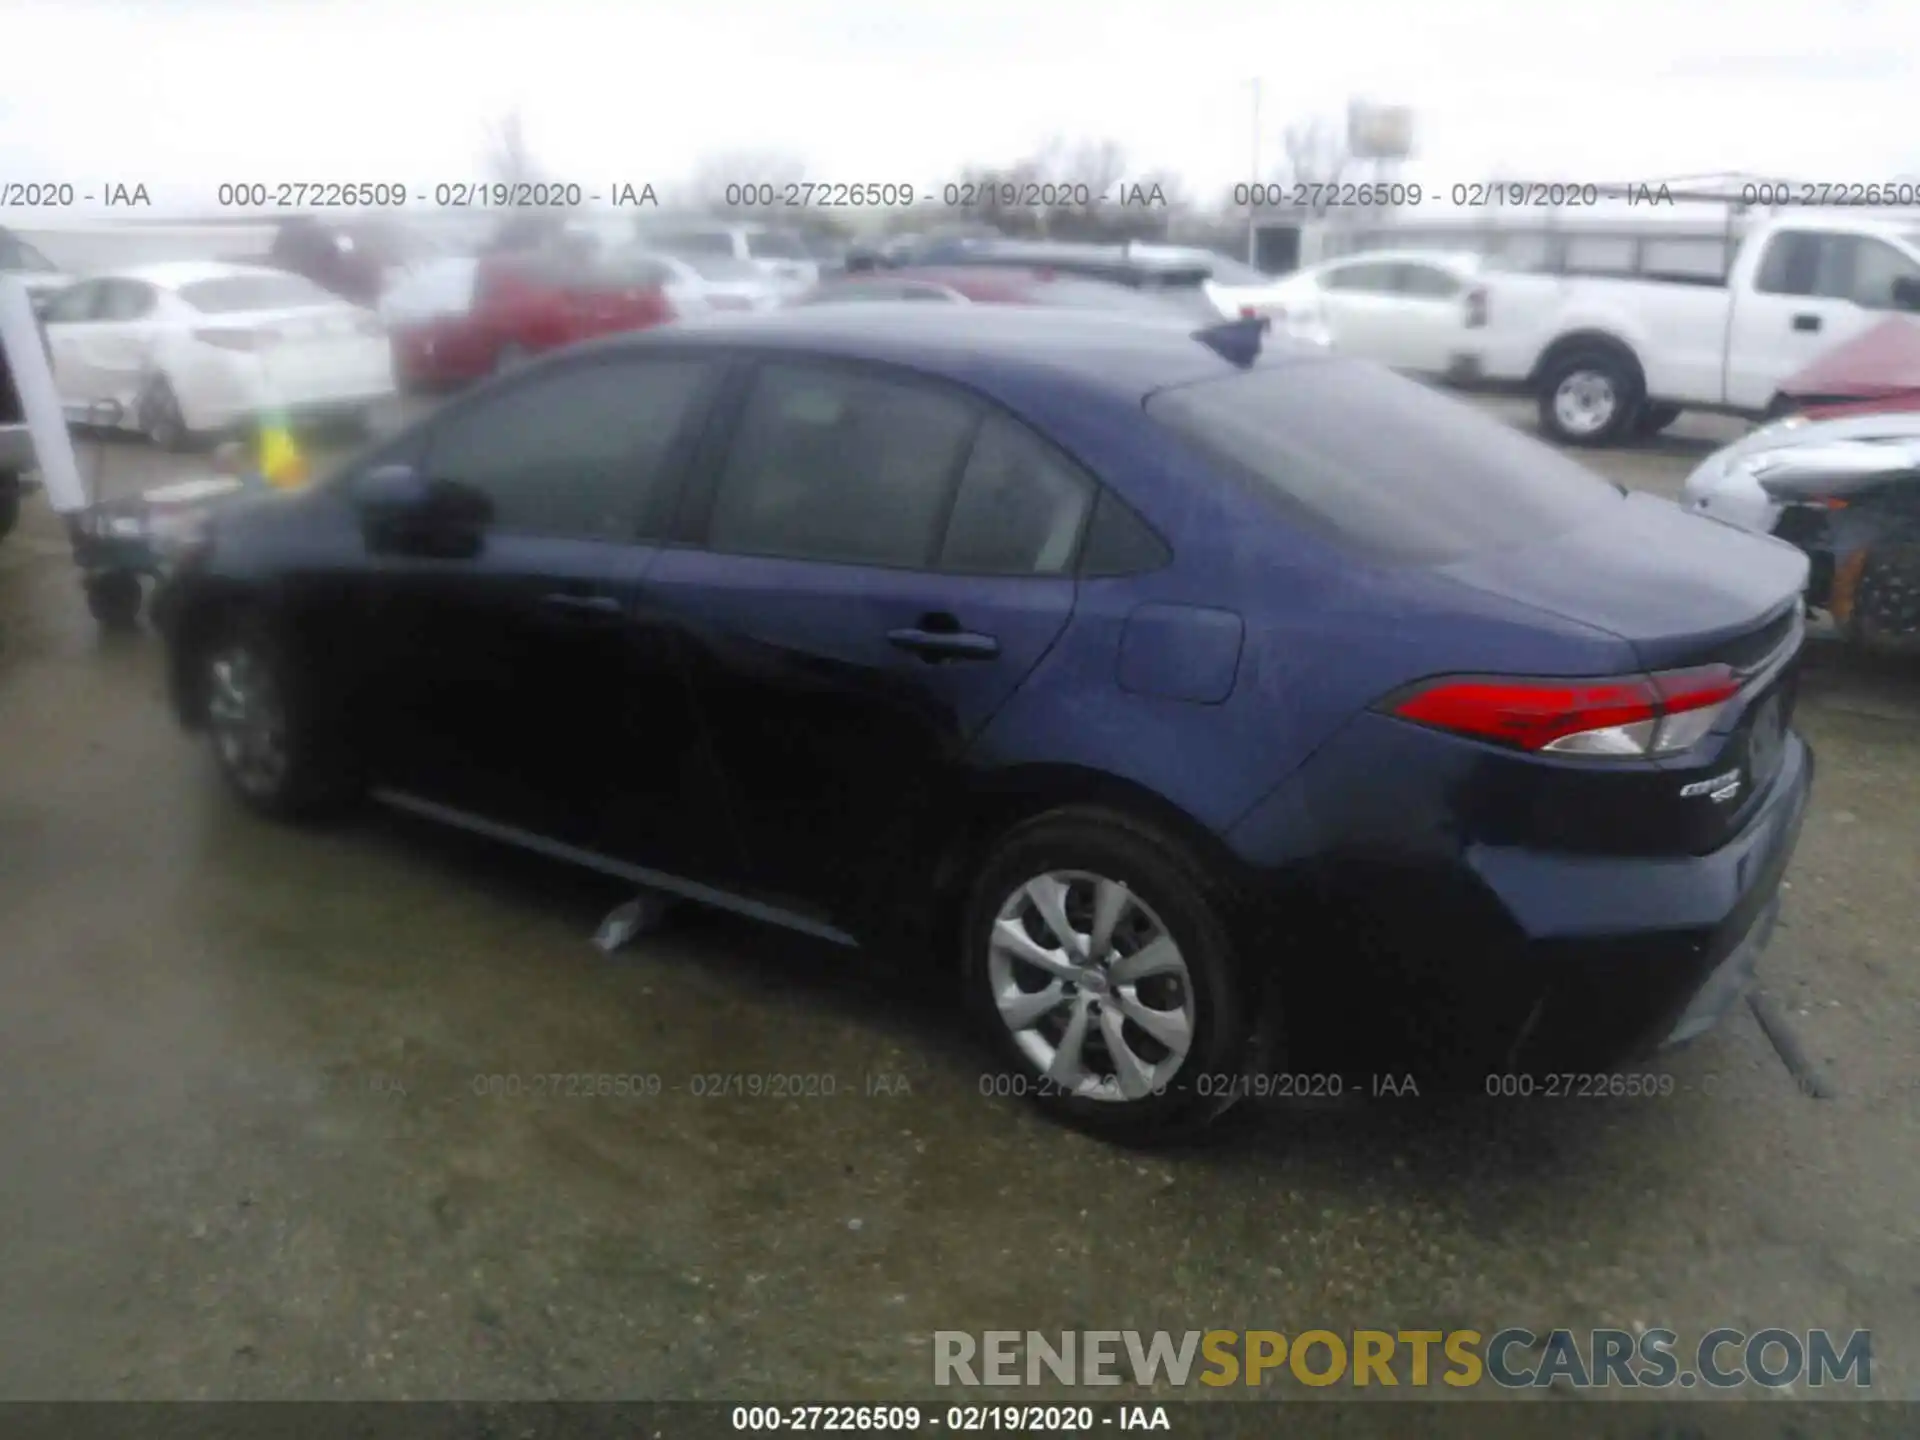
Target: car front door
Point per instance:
(524, 685)
(875, 564)
(1813, 291)
(1430, 319)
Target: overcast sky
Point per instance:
(183, 94)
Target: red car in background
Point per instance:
(1870, 374)
(454, 321)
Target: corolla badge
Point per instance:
(1720, 789)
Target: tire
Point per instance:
(158, 417)
(9, 503)
(1589, 398)
(1167, 896)
(1886, 602)
(113, 599)
(275, 746)
(1653, 418)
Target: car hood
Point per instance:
(1891, 429)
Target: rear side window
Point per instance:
(1428, 282)
(1382, 465)
(830, 464)
(233, 294)
(1020, 507)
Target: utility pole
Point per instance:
(1253, 195)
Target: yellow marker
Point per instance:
(281, 462)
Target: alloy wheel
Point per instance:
(1092, 986)
(247, 717)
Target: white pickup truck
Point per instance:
(1611, 356)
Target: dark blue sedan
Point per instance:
(1234, 719)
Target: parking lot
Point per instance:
(253, 1146)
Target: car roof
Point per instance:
(172, 274)
(1126, 357)
(1448, 259)
(1041, 254)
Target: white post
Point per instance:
(40, 399)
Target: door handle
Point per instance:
(1806, 322)
(934, 646)
(583, 607)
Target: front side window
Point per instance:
(127, 300)
(1876, 267)
(836, 465)
(1370, 278)
(579, 452)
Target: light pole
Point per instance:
(1253, 194)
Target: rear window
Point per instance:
(232, 293)
(720, 267)
(778, 245)
(1382, 464)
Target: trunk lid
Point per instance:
(1681, 589)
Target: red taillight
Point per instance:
(1249, 312)
(235, 339)
(1624, 716)
(1477, 308)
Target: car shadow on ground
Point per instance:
(914, 1008)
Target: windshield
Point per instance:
(1382, 464)
(16, 254)
(233, 293)
(1232, 272)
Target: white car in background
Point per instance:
(191, 348)
(1415, 310)
(781, 255)
(720, 282)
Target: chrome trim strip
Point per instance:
(607, 865)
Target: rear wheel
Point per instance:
(1886, 603)
(271, 739)
(113, 599)
(1589, 398)
(1098, 958)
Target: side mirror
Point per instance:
(1906, 292)
(404, 512)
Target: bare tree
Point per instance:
(509, 158)
(1316, 152)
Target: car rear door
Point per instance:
(874, 563)
(526, 685)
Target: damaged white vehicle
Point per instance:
(1846, 492)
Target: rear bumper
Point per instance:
(1492, 960)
